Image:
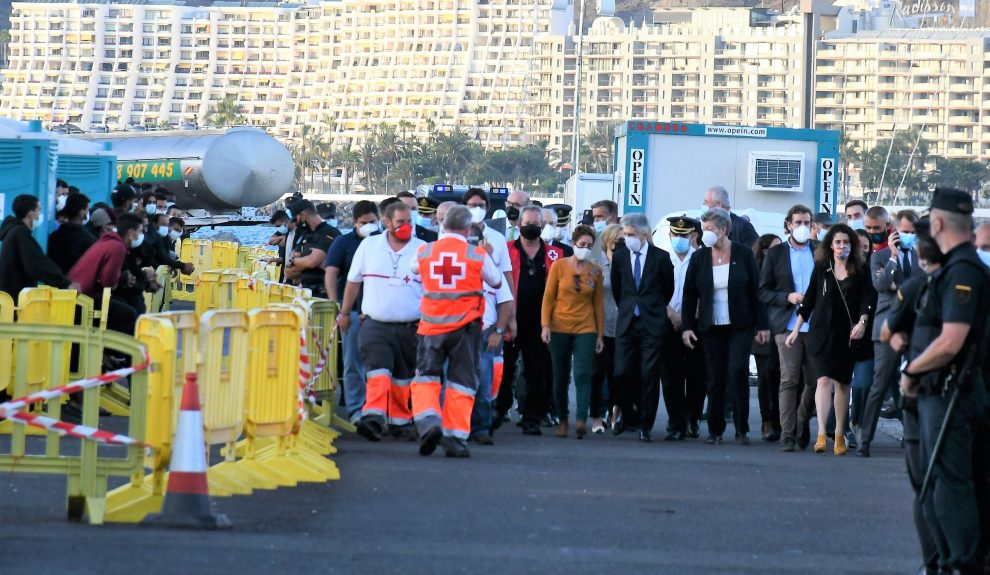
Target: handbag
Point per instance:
(854, 344)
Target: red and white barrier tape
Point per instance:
(10, 409)
(70, 429)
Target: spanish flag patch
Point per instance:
(962, 293)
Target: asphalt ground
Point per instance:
(540, 505)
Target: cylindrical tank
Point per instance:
(211, 169)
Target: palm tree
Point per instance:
(348, 160)
(227, 112)
(369, 159)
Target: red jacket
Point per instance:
(100, 266)
(552, 254)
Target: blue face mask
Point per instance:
(857, 224)
(332, 222)
(908, 240)
(600, 226)
(822, 234)
(844, 254)
(984, 257)
(680, 244)
(423, 221)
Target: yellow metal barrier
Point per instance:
(200, 254)
(6, 345)
(46, 305)
(86, 468)
(132, 502)
(224, 255)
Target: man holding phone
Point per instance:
(891, 267)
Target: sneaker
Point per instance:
(787, 444)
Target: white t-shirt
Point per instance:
(494, 297)
(392, 293)
(720, 299)
(680, 275)
(500, 251)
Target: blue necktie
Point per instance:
(637, 275)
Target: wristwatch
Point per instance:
(499, 331)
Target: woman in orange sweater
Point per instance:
(573, 324)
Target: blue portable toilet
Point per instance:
(89, 166)
(28, 158)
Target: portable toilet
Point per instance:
(28, 158)
(89, 166)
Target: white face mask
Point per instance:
(477, 214)
(859, 224)
(174, 235)
(85, 219)
(367, 229)
(163, 231)
(801, 233)
(709, 238)
(582, 253)
(60, 202)
(549, 233)
(136, 242)
(40, 219)
(633, 244)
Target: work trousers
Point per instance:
(354, 382)
(603, 379)
(567, 349)
(768, 378)
(951, 508)
(637, 366)
(727, 352)
(682, 373)
(885, 364)
(916, 467)
(797, 384)
(460, 351)
(388, 351)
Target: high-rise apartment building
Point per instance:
(933, 82)
(720, 65)
(349, 63)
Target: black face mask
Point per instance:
(877, 238)
(530, 231)
(512, 213)
(620, 243)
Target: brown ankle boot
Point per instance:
(561, 430)
(580, 429)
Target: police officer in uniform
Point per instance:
(310, 247)
(896, 332)
(947, 361)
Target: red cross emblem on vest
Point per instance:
(447, 270)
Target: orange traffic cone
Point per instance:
(187, 497)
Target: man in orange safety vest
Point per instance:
(453, 273)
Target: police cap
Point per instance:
(683, 225)
(950, 200)
(823, 219)
(563, 212)
(427, 206)
(301, 206)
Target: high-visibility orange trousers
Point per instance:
(387, 399)
(460, 351)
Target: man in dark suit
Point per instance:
(783, 282)
(742, 231)
(890, 267)
(642, 284)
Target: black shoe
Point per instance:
(889, 409)
(428, 443)
(618, 426)
(529, 428)
(863, 450)
(370, 429)
(694, 431)
(674, 436)
(405, 432)
(645, 436)
(455, 448)
(483, 439)
(787, 444)
(772, 437)
(742, 439)
(498, 418)
(804, 437)
(714, 440)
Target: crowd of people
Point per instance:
(94, 246)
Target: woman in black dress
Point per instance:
(840, 301)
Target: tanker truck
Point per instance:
(214, 170)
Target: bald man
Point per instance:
(515, 202)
